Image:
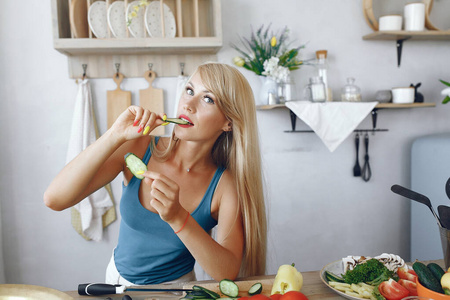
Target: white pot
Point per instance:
(403, 95)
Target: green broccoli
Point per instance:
(372, 272)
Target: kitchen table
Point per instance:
(313, 288)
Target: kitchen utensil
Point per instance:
(97, 19)
(357, 168)
(152, 99)
(117, 100)
(78, 19)
(403, 95)
(97, 289)
(366, 171)
(402, 191)
(444, 215)
(447, 188)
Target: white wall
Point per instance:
(318, 212)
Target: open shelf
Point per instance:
(379, 105)
(411, 35)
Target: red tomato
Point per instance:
(243, 298)
(293, 295)
(410, 286)
(275, 296)
(406, 273)
(259, 297)
(392, 290)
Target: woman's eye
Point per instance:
(189, 91)
(208, 100)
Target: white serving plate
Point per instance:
(337, 268)
(137, 27)
(97, 19)
(153, 20)
(116, 19)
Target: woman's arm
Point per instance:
(99, 163)
(220, 259)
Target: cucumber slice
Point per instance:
(135, 164)
(333, 277)
(178, 121)
(255, 289)
(212, 294)
(229, 288)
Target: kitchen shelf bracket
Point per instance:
(399, 44)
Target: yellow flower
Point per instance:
(143, 3)
(133, 14)
(136, 7)
(238, 61)
(273, 41)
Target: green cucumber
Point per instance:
(212, 294)
(178, 121)
(135, 164)
(437, 270)
(333, 277)
(255, 289)
(229, 288)
(426, 278)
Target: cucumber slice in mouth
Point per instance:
(135, 164)
(178, 121)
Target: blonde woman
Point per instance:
(205, 175)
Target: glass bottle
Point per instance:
(322, 70)
(316, 89)
(350, 92)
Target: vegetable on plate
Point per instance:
(392, 290)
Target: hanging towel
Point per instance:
(181, 83)
(97, 211)
(333, 122)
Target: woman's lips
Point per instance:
(184, 117)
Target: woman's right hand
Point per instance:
(136, 122)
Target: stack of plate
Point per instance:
(116, 17)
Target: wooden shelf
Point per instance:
(198, 39)
(379, 105)
(410, 35)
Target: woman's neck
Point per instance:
(192, 156)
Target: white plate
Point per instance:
(97, 19)
(137, 27)
(153, 20)
(116, 19)
(337, 268)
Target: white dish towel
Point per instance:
(333, 122)
(83, 134)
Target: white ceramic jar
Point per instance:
(390, 23)
(403, 95)
(414, 15)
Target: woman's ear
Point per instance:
(228, 126)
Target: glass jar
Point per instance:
(286, 90)
(316, 90)
(350, 92)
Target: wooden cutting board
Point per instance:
(78, 18)
(153, 100)
(117, 100)
(243, 285)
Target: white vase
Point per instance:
(268, 93)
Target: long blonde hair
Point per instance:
(238, 151)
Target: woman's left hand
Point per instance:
(165, 197)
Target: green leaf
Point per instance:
(444, 82)
(446, 100)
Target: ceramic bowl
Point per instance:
(390, 22)
(424, 292)
(403, 95)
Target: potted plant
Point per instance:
(269, 55)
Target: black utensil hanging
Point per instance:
(357, 168)
(366, 171)
(444, 215)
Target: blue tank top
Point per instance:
(148, 251)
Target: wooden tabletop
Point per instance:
(313, 288)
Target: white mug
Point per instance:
(390, 22)
(403, 95)
(414, 15)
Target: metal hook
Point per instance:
(150, 66)
(117, 69)
(84, 66)
(182, 69)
